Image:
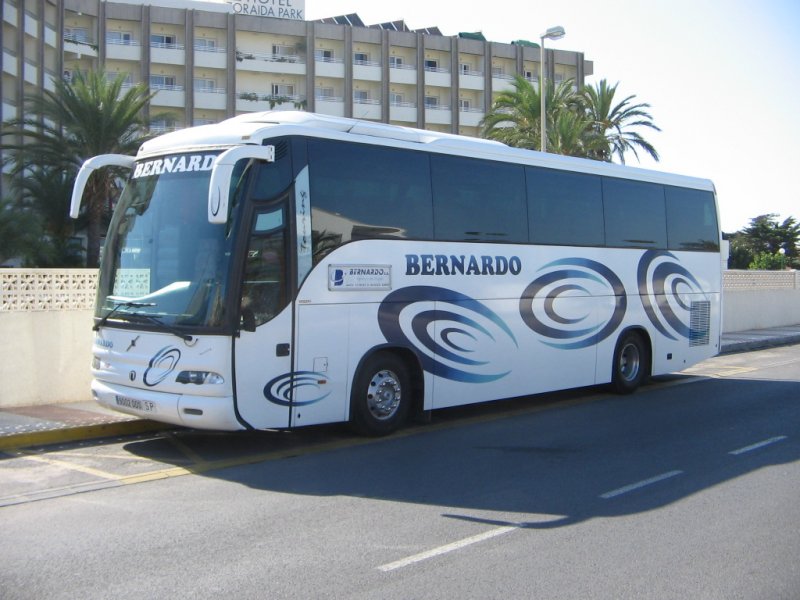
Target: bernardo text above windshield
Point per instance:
(184, 163)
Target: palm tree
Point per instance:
(569, 133)
(20, 230)
(585, 123)
(515, 119)
(46, 193)
(76, 120)
(616, 123)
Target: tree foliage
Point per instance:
(766, 243)
(62, 127)
(20, 230)
(586, 123)
(616, 124)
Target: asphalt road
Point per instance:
(688, 489)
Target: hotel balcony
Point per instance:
(438, 115)
(403, 111)
(167, 54)
(502, 82)
(366, 70)
(169, 95)
(208, 58)
(123, 50)
(406, 74)
(9, 109)
(470, 117)
(80, 47)
(329, 105)
(367, 108)
(470, 80)
(438, 76)
(329, 67)
(9, 62)
(284, 64)
(210, 99)
(254, 102)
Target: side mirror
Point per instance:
(221, 173)
(89, 167)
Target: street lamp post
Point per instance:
(553, 33)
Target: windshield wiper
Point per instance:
(117, 307)
(168, 328)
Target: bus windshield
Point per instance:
(162, 259)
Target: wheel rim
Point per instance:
(383, 395)
(629, 362)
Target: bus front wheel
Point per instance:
(380, 397)
(631, 363)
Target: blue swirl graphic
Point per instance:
(662, 306)
(282, 389)
(161, 365)
(563, 279)
(462, 329)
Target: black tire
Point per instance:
(631, 363)
(381, 395)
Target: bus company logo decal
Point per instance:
(282, 389)
(444, 264)
(662, 283)
(161, 365)
(359, 277)
(551, 305)
(456, 336)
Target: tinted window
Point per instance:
(477, 200)
(264, 286)
(634, 214)
(565, 208)
(361, 192)
(691, 220)
(273, 178)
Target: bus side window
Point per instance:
(264, 285)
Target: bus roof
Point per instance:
(254, 128)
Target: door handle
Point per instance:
(282, 350)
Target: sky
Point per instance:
(721, 76)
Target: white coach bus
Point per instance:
(285, 269)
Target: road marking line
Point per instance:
(639, 484)
(410, 560)
(71, 466)
(758, 445)
(184, 449)
(69, 454)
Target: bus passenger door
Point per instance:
(263, 350)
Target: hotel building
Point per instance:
(213, 60)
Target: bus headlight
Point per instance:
(200, 377)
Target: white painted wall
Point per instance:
(45, 355)
(759, 309)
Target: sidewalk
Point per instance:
(26, 426)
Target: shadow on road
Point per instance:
(561, 462)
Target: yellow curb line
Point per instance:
(83, 432)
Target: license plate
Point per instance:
(142, 405)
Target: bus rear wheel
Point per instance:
(379, 400)
(631, 363)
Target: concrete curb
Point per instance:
(756, 344)
(82, 432)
